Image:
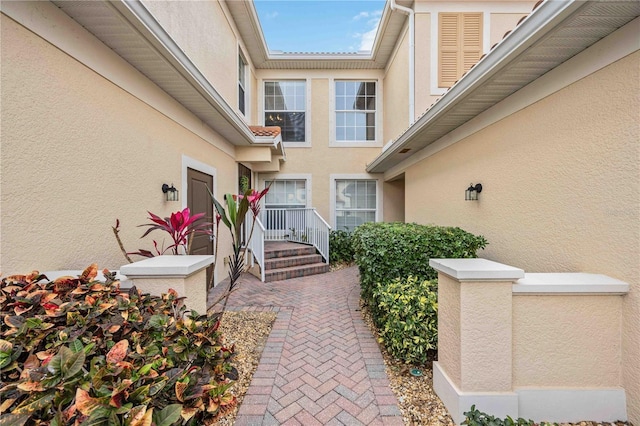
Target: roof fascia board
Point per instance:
(255, 23)
(306, 56)
(139, 16)
(533, 28)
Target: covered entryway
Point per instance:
(199, 201)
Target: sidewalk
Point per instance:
(320, 365)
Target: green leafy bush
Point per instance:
(340, 248)
(77, 351)
(408, 323)
(385, 251)
(478, 418)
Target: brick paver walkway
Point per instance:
(320, 365)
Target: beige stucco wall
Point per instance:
(485, 334)
(79, 152)
(558, 339)
(213, 51)
(321, 160)
(561, 192)
(449, 333)
(394, 201)
(396, 91)
(424, 98)
(501, 23)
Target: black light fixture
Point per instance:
(471, 194)
(170, 192)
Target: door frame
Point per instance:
(191, 163)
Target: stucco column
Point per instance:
(474, 334)
(187, 275)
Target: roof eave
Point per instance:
(140, 17)
(261, 54)
(535, 26)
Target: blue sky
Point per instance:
(319, 25)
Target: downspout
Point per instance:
(412, 53)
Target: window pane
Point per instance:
(371, 134)
(350, 103)
(371, 89)
(350, 133)
(285, 106)
(355, 203)
(357, 97)
(294, 127)
(268, 88)
(291, 193)
(371, 103)
(273, 119)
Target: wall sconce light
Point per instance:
(471, 194)
(170, 192)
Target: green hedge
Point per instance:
(408, 321)
(340, 248)
(386, 251)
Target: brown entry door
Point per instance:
(199, 201)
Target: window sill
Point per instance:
(355, 144)
(297, 144)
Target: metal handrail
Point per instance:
(256, 244)
(300, 225)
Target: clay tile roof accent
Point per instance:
(272, 131)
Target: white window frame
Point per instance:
(300, 176)
(377, 142)
(245, 85)
(307, 116)
(357, 176)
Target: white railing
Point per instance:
(298, 225)
(303, 225)
(256, 244)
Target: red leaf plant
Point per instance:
(180, 226)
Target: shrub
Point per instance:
(340, 248)
(77, 351)
(478, 418)
(385, 251)
(408, 323)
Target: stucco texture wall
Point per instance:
(321, 160)
(561, 183)
(557, 338)
(396, 92)
(77, 153)
(214, 52)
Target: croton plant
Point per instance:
(76, 351)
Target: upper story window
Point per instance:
(459, 45)
(285, 105)
(355, 103)
(242, 76)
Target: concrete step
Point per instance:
(285, 262)
(295, 272)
